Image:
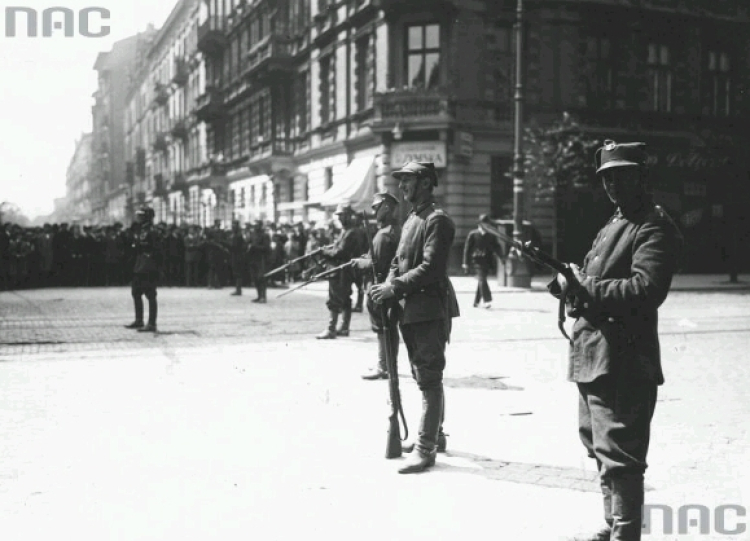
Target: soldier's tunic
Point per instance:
(615, 357)
(419, 276)
(384, 245)
(345, 249)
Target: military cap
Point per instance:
(419, 169)
(378, 198)
(344, 208)
(619, 155)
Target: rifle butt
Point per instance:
(393, 448)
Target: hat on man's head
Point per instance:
(419, 169)
(619, 155)
(343, 208)
(380, 197)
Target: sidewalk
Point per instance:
(681, 282)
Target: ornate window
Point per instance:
(600, 79)
(660, 77)
(718, 83)
(364, 78)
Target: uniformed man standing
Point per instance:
(384, 244)
(345, 248)
(258, 252)
(418, 278)
(146, 271)
(615, 356)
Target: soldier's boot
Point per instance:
(442, 439)
(605, 532)
(138, 305)
(360, 301)
(153, 309)
(627, 507)
(330, 332)
(381, 372)
(345, 320)
(423, 456)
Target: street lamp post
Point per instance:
(519, 275)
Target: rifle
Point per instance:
(393, 445)
(536, 255)
(288, 264)
(315, 278)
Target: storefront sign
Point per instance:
(692, 159)
(419, 152)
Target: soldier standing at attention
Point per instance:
(418, 278)
(615, 357)
(344, 249)
(258, 252)
(381, 254)
(146, 271)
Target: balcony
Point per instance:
(180, 72)
(272, 54)
(210, 105)
(161, 142)
(212, 36)
(161, 94)
(413, 105)
(179, 129)
(362, 10)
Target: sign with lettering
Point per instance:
(433, 151)
(691, 159)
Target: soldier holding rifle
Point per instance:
(345, 249)
(418, 279)
(384, 246)
(614, 354)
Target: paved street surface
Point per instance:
(234, 423)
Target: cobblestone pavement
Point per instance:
(233, 421)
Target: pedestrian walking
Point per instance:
(418, 277)
(480, 250)
(146, 271)
(381, 253)
(614, 356)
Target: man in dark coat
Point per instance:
(480, 250)
(258, 254)
(146, 271)
(238, 254)
(615, 356)
(418, 278)
(379, 258)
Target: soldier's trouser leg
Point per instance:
(137, 294)
(614, 425)
(153, 306)
(483, 288)
(425, 342)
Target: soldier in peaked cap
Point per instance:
(418, 278)
(146, 271)
(614, 356)
(384, 244)
(345, 248)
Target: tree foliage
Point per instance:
(559, 156)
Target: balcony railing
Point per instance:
(212, 36)
(209, 105)
(180, 76)
(399, 105)
(179, 129)
(273, 53)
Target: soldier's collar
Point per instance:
(423, 206)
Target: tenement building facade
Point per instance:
(280, 109)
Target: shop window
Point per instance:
(660, 77)
(423, 56)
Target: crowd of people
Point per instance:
(72, 255)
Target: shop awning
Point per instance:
(356, 188)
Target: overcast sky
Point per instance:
(45, 96)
